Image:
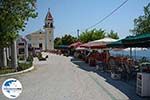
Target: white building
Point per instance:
(22, 48)
(43, 40)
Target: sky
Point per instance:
(70, 15)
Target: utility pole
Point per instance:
(78, 33)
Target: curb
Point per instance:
(15, 73)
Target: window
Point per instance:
(21, 51)
(51, 25)
(40, 45)
(21, 44)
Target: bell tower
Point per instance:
(49, 31)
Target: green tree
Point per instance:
(64, 40)
(57, 42)
(142, 23)
(85, 36)
(92, 35)
(68, 39)
(113, 35)
(14, 15)
(98, 34)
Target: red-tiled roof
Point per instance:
(49, 16)
(75, 45)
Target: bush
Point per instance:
(23, 66)
(7, 70)
(30, 58)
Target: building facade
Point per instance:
(22, 48)
(37, 39)
(43, 39)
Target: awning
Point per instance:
(142, 40)
(75, 45)
(62, 47)
(138, 38)
(117, 44)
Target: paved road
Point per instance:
(59, 79)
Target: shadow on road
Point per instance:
(126, 87)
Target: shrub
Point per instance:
(30, 58)
(23, 66)
(6, 70)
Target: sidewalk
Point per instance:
(126, 87)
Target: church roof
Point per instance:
(36, 32)
(48, 16)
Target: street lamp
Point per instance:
(78, 33)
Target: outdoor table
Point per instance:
(92, 62)
(145, 67)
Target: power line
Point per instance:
(108, 15)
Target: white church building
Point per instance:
(43, 39)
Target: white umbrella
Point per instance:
(97, 44)
(104, 40)
(81, 48)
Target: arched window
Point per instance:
(48, 24)
(51, 25)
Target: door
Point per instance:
(40, 45)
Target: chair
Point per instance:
(115, 74)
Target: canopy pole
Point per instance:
(130, 52)
(135, 54)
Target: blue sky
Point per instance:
(70, 15)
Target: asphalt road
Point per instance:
(59, 79)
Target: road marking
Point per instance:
(108, 93)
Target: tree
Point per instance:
(68, 39)
(113, 35)
(86, 36)
(64, 40)
(98, 34)
(142, 23)
(57, 42)
(14, 15)
(92, 35)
